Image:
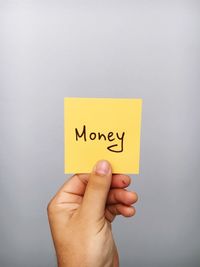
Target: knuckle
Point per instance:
(50, 206)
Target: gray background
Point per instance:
(53, 49)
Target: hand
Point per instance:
(80, 217)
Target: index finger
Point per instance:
(120, 181)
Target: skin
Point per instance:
(81, 213)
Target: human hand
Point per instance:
(80, 217)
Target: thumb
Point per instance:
(94, 200)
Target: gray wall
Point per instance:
(53, 49)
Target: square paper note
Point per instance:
(102, 128)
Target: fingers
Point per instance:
(121, 196)
(120, 181)
(77, 183)
(72, 191)
(94, 200)
(119, 209)
(119, 202)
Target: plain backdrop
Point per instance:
(55, 49)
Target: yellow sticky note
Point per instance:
(102, 128)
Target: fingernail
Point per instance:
(102, 167)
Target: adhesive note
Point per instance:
(102, 128)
